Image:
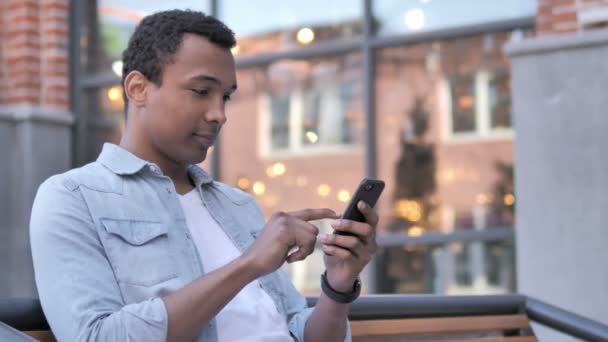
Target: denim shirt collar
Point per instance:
(123, 162)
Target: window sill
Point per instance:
(315, 151)
(505, 135)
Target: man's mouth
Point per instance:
(206, 139)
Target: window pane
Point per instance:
(500, 99)
(280, 121)
(108, 25)
(455, 269)
(272, 25)
(462, 91)
(313, 105)
(103, 111)
(397, 16)
(436, 183)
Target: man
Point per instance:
(142, 245)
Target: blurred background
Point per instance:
(486, 119)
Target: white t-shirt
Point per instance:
(251, 315)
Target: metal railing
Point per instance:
(26, 313)
(429, 306)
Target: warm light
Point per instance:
(414, 19)
(343, 196)
(509, 199)
(415, 216)
(312, 137)
(482, 199)
(448, 175)
(466, 101)
(277, 169)
(259, 188)
(235, 50)
(243, 183)
(115, 93)
(117, 68)
(415, 231)
(301, 181)
(305, 36)
(409, 210)
(323, 190)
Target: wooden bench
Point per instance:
(439, 318)
(504, 328)
(395, 318)
(403, 318)
(499, 328)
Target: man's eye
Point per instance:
(202, 92)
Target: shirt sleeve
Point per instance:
(79, 294)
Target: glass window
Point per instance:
(499, 92)
(439, 107)
(103, 111)
(397, 16)
(462, 92)
(312, 105)
(108, 25)
(454, 269)
(271, 25)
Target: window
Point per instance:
(398, 16)
(478, 106)
(271, 25)
(311, 107)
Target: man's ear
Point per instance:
(136, 85)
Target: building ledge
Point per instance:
(20, 113)
(561, 42)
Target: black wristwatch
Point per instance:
(340, 297)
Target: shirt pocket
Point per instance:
(138, 251)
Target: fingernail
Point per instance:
(361, 205)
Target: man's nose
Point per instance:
(217, 113)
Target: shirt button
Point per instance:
(152, 168)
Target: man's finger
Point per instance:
(351, 243)
(363, 231)
(370, 214)
(314, 214)
(338, 252)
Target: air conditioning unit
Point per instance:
(593, 17)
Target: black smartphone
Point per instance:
(368, 191)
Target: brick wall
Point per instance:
(34, 53)
(560, 16)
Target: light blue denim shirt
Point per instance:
(110, 239)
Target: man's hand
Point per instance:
(283, 232)
(346, 256)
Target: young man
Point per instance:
(142, 245)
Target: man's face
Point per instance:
(185, 114)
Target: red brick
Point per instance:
(17, 5)
(59, 5)
(23, 99)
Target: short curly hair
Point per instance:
(158, 36)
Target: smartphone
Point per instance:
(368, 191)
